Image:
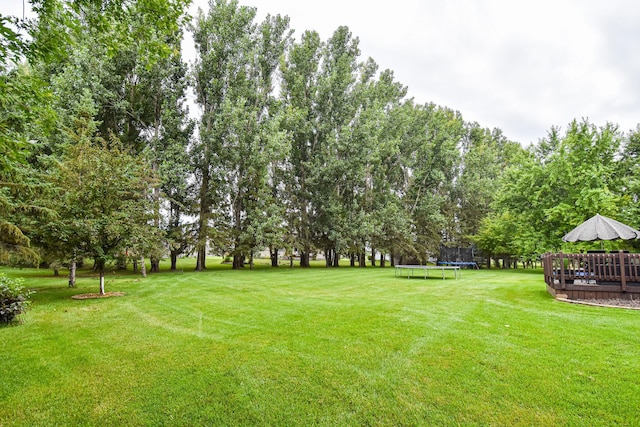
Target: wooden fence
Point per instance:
(593, 275)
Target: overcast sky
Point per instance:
(521, 66)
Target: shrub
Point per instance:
(14, 298)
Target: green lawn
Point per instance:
(340, 347)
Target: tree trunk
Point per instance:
(382, 260)
(174, 261)
(373, 257)
(336, 259)
(135, 265)
(238, 261)
(143, 268)
(393, 260)
(72, 273)
(273, 253)
(251, 261)
(155, 265)
(203, 226)
(201, 259)
(362, 259)
(101, 281)
(304, 259)
(328, 257)
(352, 259)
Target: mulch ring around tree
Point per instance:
(94, 296)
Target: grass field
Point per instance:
(339, 347)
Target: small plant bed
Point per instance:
(97, 295)
(632, 304)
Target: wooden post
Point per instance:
(562, 282)
(623, 272)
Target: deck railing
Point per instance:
(611, 273)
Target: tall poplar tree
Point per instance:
(486, 154)
(338, 165)
(237, 59)
(299, 92)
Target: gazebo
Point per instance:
(595, 274)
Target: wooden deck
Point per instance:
(593, 275)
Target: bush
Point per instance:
(14, 298)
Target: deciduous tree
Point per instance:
(101, 202)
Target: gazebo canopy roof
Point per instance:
(601, 228)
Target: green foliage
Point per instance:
(12, 44)
(25, 114)
(14, 245)
(581, 176)
(486, 155)
(25, 107)
(628, 172)
(102, 204)
(120, 77)
(557, 185)
(14, 298)
(434, 158)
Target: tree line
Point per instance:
(300, 144)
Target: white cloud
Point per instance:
(520, 66)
